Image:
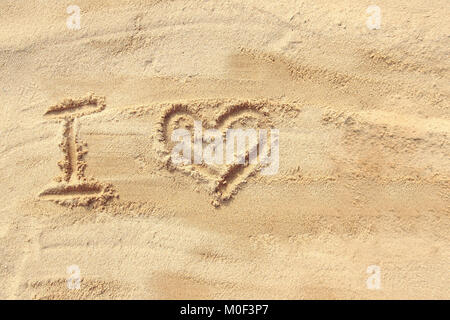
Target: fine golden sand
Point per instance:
(364, 157)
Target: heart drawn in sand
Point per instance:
(246, 121)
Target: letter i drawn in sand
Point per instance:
(73, 188)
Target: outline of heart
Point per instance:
(224, 183)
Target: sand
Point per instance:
(363, 180)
